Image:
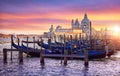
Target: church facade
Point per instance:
(83, 27)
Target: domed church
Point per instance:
(76, 28)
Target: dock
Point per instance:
(59, 55)
(42, 54)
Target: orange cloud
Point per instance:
(31, 21)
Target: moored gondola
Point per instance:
(54, 49)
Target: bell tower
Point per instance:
(75, 24)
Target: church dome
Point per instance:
(58, 27)
(85, 20)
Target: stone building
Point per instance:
(77, 27)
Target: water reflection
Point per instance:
(53, 67)
(63, 70)
(85, 71)
(20, 68)
(42, 66)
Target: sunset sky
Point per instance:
(36, 16)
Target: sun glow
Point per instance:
(116, 30)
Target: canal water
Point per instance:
(53, 67)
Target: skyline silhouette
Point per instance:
(36, 16)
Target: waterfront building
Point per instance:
(77, 27)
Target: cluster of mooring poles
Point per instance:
(62, 56)
(5, 50)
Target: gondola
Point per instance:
(91, 53)
(30, 51)
(62, 46)
(101, 53)
(33, 52)
(55, 50)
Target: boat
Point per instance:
(36, 53)
(57, 50)
(30, 51)
(99, 53)
(61, 46)
(33, 52)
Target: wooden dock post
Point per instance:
(20, 52)
(55, 41)
(90, 35)
(80, 40)
(61, 46)
(27, 46)
(11, 47)
(55, 38)
(86, 62)
(65, 60)
(71, 45)
(41, 57)
(34, 42)
(65, 51)
(4, 56)
(76, 39)
(80, 36)
(41, 52)
(49, 42)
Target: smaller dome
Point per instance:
(77, 22)
(58, 27)
(85, 21)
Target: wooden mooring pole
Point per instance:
(65, 51)
(41, 52)
(20, 52)
(80, 36)
(4, 56)
(86, 62)
(27, 46)
(61, 47)
(71, 45)
(49, 42)
(34, 42)
(76, 42)
(65, 60)
(41, 57)
(11, 47)
(91, 35)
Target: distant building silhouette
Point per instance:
(77, 27)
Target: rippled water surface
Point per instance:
(53, 67)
